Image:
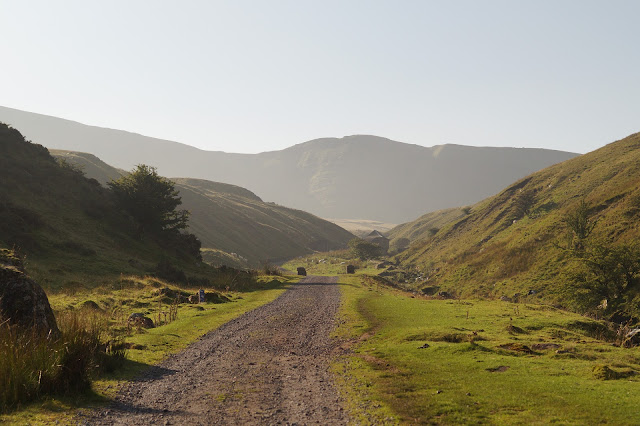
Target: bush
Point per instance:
(365, 250)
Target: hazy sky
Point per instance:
(251, 76)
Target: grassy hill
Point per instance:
(233, 223)
(354, 177)
(256, 230)
(502, 248)
(68, 226)
(424, 227)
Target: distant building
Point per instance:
(379, 239)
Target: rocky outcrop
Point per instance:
(22, 301)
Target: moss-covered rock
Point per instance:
(23, 302)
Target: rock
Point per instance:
(425, 346)
(139, 320)
(351, 269)
(445, 295)
(505, 299)
(23, 302)
(302, 271)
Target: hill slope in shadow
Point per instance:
(232, 219)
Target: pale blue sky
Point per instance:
(251, 76)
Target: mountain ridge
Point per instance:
(357, 176)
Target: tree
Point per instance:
(151, 200)
(364, 250)
(523, 204)
(579, 225)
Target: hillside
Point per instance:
(230, 219)
(69, 227)
(503, 249)
(424, 227)
(355, 177)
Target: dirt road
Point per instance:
(269, 366)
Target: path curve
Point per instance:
(268, 366)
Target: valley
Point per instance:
(490, 312)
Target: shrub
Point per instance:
(364, 250)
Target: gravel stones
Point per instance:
(269, 366)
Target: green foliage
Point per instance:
(609, 278)
(579, 225)
(364, 250)
(151, 200)
(523, 203)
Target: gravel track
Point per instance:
(269, 366)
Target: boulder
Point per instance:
(23, 302)
(139, 320)
(302, 271)
(351, 269)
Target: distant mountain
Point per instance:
(233, 220)
(355, 177)
(517, 242)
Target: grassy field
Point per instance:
(145, 346)
(452, 361)
(331, 263)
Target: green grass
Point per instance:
(497, 250)
(480, 380)
(331, 263)
(146, 347)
